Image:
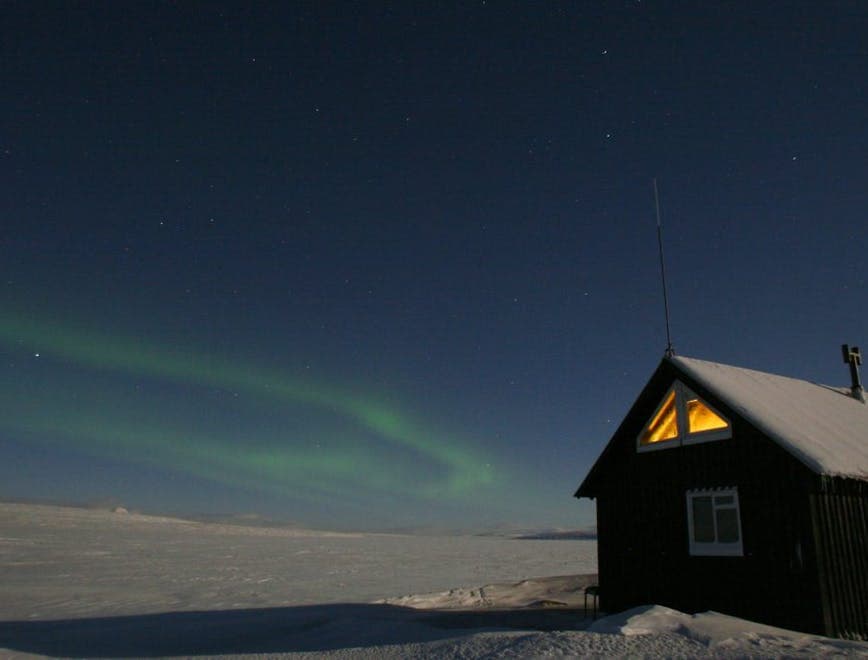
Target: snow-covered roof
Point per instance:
(826, 428)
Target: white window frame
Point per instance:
(684, 437)
(714, 548)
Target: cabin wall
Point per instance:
(839, 513)
(643, 534)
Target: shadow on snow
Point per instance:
(268, 630)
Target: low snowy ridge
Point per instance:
(560, 591)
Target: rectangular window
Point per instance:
(713, 523)
(703, 520)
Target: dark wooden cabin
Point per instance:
(738, 491)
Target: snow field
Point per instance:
(82, 583)
(60, 562)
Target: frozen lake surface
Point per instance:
(58, 562)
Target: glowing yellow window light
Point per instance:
(664, 425)
(702, 418)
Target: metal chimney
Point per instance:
(853, 357)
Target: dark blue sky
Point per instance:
(359, 265)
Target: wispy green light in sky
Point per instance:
(460, 470)
(282, 469)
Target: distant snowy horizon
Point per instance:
(255, 519)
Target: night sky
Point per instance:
(370, 265)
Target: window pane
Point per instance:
(703, 521)
(727, 525)
(724, 499)
(664, 425)
(702, 418)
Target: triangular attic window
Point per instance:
(702, 418)
(682, 416)
(664, 424)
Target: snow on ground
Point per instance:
(60, 562)
(84, 583)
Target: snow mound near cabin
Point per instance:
(724, 634)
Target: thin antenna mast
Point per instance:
(670, 351)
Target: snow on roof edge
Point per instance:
(829, 435)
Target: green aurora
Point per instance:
(401, 450)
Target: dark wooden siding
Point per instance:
(839, 512)
(642, 523)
